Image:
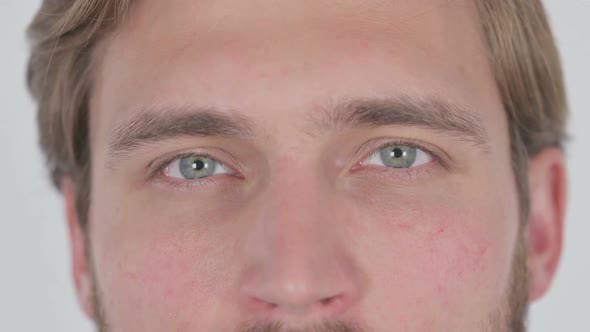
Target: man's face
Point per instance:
(301, 162)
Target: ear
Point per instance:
(80, 264)
(547, 188)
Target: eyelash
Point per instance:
(189, 184)
(405, 142)
(186, 185)
(399, 173)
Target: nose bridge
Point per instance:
(296, 219)
(296, 261)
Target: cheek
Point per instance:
(159, 262)
(432, 252)
(441, 258)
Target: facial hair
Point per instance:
(509, 317)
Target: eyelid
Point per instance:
(172, 170)
(158, 166)
(373, 146)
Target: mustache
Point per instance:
(338, 326)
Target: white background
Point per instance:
(36, 292)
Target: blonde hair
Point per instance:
(64, 34)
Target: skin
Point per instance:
(300, 234)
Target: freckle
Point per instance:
(438, 231)
(481, 251)
(131, 275)
(441, 290)
(170, 292)
(479, 259)
(405, 227)
(285, 72)
(262, 75)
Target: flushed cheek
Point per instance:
(442, 258)
(161, 260)
(429, 258)
(169, 276)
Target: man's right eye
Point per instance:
(194, 167)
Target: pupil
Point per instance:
(397, 152)
(199, 165)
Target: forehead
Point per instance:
(270, 58)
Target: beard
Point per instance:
(510, 316)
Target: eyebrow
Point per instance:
(153, 125)
(431, 113)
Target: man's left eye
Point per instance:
(194, 167)
(398, 156)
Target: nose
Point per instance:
(298, 263)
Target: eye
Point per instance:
(398, 156)
(194, 167)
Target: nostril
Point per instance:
(263, 305)
(329, 300)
